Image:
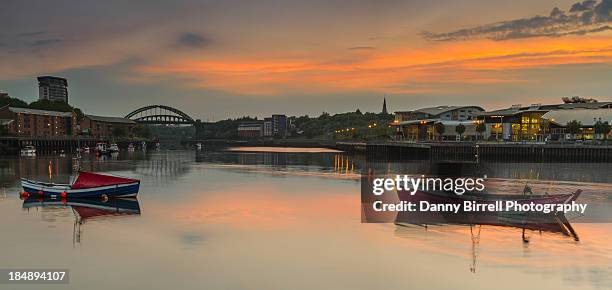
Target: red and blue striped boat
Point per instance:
(87, 184)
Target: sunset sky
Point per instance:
(220, 59)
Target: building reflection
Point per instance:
(160, 167)
(52, 168)
(409, 224)
(337, 163)
(346, 164)
(164, 167)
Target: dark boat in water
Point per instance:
(553, 221)
(487, 198)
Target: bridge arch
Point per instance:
(161, 115)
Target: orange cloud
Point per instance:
(402, 70)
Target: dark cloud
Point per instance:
(32, 34)
(584, 6)
(29, 41)
(46, 42)
(362, 48)
(584, 17)
(194, 40)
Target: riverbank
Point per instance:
(446, 151)
(11, 145)
(475, 152)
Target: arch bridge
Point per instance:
(160, 115)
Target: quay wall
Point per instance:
(12, 145)
(480, 152)
(306, 143)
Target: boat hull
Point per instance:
(550, 222)
(443, 197)
(119, 190)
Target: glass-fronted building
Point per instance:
(526, 123)
(419, 125)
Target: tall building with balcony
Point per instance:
(52, 88)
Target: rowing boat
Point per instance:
(87, 184)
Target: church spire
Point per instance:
(384, 110)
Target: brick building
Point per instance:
(38, 123)
(250, 130)
(102, 126)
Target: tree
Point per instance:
(142, 131)
(577, 99)
(119, 131)
(460, 129)
(440, 128)
(56, 106)
(13, 102)
(602, 128)
(481, 128)
(79, 114)
(51, 106)
(573, 127)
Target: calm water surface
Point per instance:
(286, 220)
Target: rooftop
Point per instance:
(110, 119)
(543, 108)
(39, 112)
(434, 111)
(51, 77)
(4, 122)
(250, 124)
(588, 117)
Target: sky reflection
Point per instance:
(266, 227)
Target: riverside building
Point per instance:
(102, 126)
(419, 125)
(536, 122)
(38, 123)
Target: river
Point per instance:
(286, 219)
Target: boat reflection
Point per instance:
(542, 222)
(87, 209)
(555, 223)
